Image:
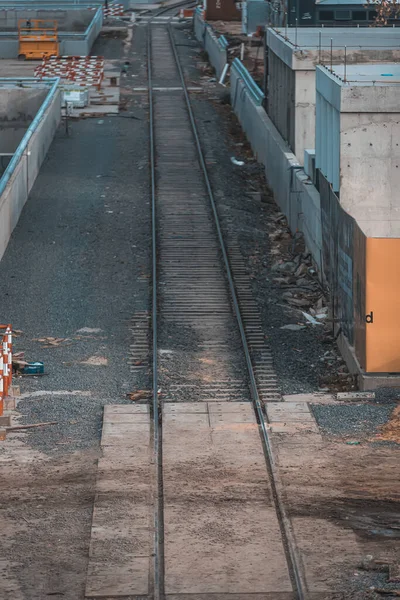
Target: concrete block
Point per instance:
(9, 403)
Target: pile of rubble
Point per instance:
(304, 297)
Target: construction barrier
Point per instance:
(5, 365)
(81, 70)
(113, 9)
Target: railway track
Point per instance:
(207, 340)
(166, 13)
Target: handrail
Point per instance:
(255, 92)
(223, 42)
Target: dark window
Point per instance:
(359, 15)
(342, 15)
(372, 14)
(326, 15)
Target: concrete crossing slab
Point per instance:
(221, 531)
(120, 546)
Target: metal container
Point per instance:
(77, 98)
(223, 10)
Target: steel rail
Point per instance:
(166, 9)
(292, 559)
(158, 562)
(158, 511)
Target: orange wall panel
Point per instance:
(382, 305)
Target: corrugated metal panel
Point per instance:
(338, 249)
(281, 97)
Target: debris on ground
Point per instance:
(239, 163)
(52, 342)
(355, 396)
(390, 431)
(33, 368)
(139, 395)
(310, 319)
(89, 330)
(21, 367)
(95, 361)
(30, 426)
(293, 327)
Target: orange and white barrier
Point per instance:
(80, 70)
(5, 365)
(114, 9)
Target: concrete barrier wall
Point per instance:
(215, 47)
(17, 110)
(8, 47)
(298, 199)
(94, 29)
(81, 45)
(20, 175)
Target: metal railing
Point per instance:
(23, 146)
(255, 92)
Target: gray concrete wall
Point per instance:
(298, 199)
(76, 20)
(205, 35)
(18, 108)
(16, 191)
(8, 47)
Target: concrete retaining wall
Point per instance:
(215, 47)
(18, 108)
(298, 199)
(20, 175)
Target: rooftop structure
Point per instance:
(358, 142)
(292, 57)
(78, 26)
(330, 13)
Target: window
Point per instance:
(359, 15)
(326, 15)
(342, 15)
(372, 14)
